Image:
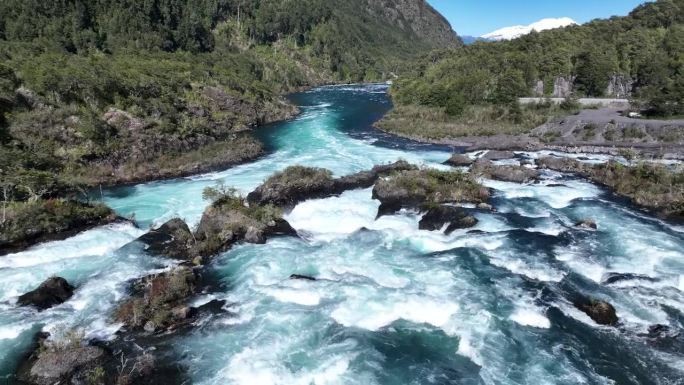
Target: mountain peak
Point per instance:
(514, 32)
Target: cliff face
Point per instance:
(417, 17)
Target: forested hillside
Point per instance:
(640, 55)
(96, 90)
(118, 91)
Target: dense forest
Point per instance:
(99, 92)
(92, 90)
(643, 51)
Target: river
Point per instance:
(392, 304)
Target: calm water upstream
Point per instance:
(393, 304)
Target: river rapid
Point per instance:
(392, 304)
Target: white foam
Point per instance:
(530, 317)
(10, 332)
(300, 297)
(95, 242)
(374, 315)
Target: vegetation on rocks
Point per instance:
(653, 186)
(506, 173)
(26, 223)
(159, 301)
(426, 188)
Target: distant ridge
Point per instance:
(514, 32)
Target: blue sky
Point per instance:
(478, 17)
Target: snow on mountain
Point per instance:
(516, 31)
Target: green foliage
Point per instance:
(647, 45)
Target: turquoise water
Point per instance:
(393, 304)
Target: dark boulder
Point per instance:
(437, 217)
(459, 160)
(507, 173)
(293, 185)
(587, 225)
(611, 278)
(498, 155)
(601, 312)
(172, 239)
(54, 291)
(302, 277)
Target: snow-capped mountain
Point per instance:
(516, 31)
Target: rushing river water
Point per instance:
(393, 304)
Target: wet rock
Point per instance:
(559, 164)
(494, 155)
(611, 278)
(365, 179)
(437, 217)
(459, 160)
(662, 332)
(506, 173)
(254, 235)
(173, 239)
(215, 306)
(302, 277)
(587, 225)
(601, 312)
(53, 291)
(485, 206)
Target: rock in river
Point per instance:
(54, 291)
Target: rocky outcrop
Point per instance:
(563, 86)
(43, 220)
(419, 18)
(297, 183)
(451, 216)
(619, 86)
(230, 220)
(506, 173)
(122, 120)
(293, 185)
(73, 364)
(53, 291)
(159, 302)
(494, 155)
(601, 312)
(416, 188)
(173, 239)
(459, 160)
(560, 164)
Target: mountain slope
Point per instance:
(514, 32)
(114, 91)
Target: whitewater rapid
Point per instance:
(392, 304)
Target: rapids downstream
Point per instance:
(392, 304)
